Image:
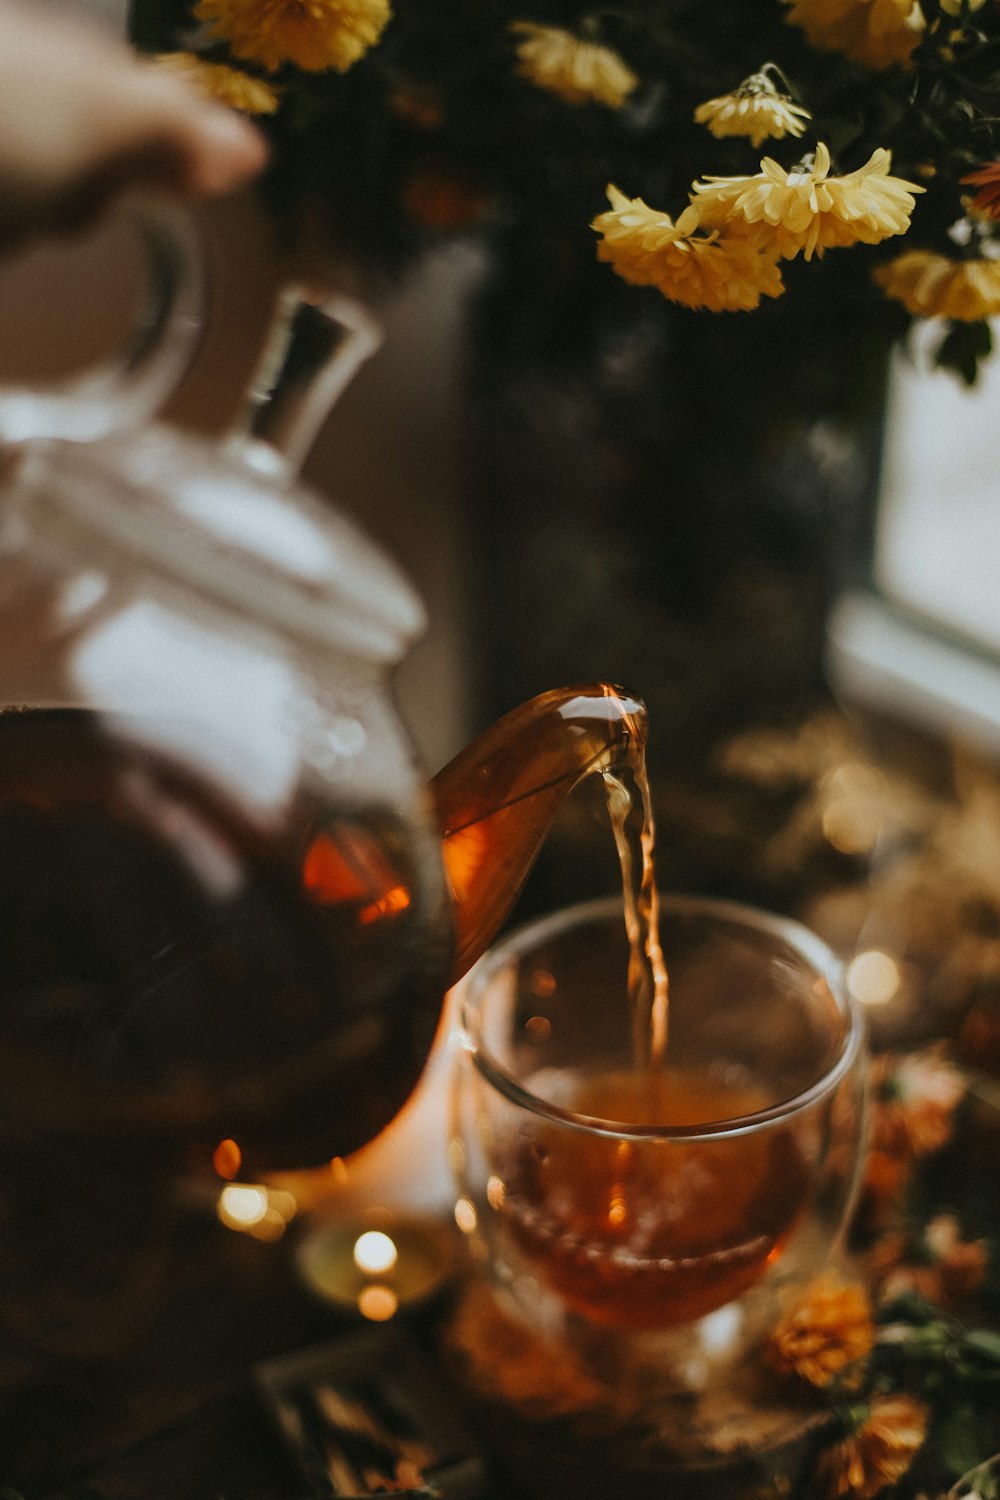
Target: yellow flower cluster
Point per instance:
(225, 85)
(806, 209)
(875, 33)
(935, 286)
(576, 71)
(751, 222)
(647, 248)
(756, 110)
(313, 34)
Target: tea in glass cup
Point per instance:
(641, 1198)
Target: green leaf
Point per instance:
(963, 1438)
(985, 1342)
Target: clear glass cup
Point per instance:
(652, 1216)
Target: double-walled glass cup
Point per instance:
(620, 1206)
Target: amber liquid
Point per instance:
(171, 969)
(646, 1234)
(639, 1234)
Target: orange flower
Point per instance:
(886, 1179)
(440, 201)
(987, 180)
(947, 1271)
(828, 1330)
(914, 1100)
(418, 106)
(878, 1452)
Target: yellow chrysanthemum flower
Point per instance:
(875, 33)
(313, 34)
(226, 85)
(577, 72)
(806, 209)
(647, 248)
(756, 110)
(934, 286)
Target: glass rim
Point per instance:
(473, 988)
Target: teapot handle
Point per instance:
(129, 388)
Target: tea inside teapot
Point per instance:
(227, 916)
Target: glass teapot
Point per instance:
(232, 905)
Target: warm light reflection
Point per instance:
(465, 1216)
(241, 1206)
(255, 1210)
(542, 983)
(873, 978)
(398, 899)
(855, 808)
(377, 1303)
(227, 1158)
(282, 1203)
(375, 1253)
(464, 853)
(539, 1028)
(495, 1192)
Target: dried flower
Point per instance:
(313, 34)
(647, 248)
(419, 105)
(913, 1103)
(756, 110)
(226, 85)
(987, 180)
(935, 286)
(807, 209)
(941, 1267)
(886, 1179)
(878, 1452)
(829, 1329)
(440, 201)
(578, 72)
(875, 33)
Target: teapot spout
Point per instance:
(496, 800)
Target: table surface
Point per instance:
(177, 1414)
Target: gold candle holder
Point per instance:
(377, 1264)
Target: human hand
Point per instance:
(83, 120)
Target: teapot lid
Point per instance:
(227, 521)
